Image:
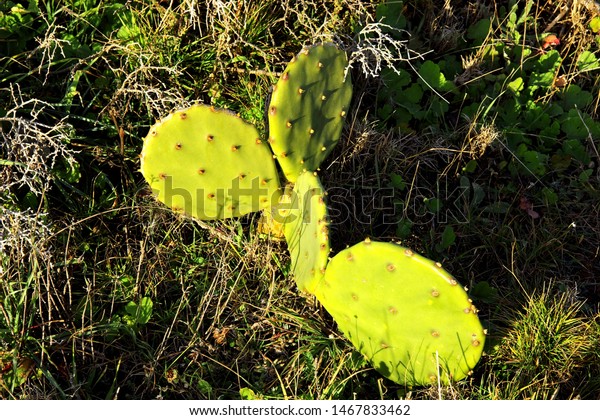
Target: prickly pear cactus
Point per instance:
(308, 109)
(306, 231)
(209, 164)
(272, 220)
(403, 312)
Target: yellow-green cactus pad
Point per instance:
(209, 164)
(407, 315)
(308, 109)
(306, 231)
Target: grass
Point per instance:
(548, 343)
(105, 293)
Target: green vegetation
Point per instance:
(472, 138)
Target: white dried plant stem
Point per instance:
(30, 149)
(377, 49)
(48, 47)
(145, 84)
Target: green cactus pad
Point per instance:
(209, 164)
(306, 231)
(308, 109)
(407, 315)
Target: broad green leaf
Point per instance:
(432, 76)
(516, 138)
(138, 314)
(499, 207)
(390, 13)
(585, 175)
(393, 80)
(516, 85)
(550, 196)
(587, 61)
(470, 167)
(478, 194)
(448, 238)
(248, 395)
(204, 387)
(434, 205)
(535, 162)
(535, 116)
(548, 62)
(551, 131)
(479, 31)
(129, 30)
(541, 80)
(484, 292)
(396, 181)
(384, 112)
(413, 94)
(579, 125)
(576, 149)
(404, 228)
(575, 97)
(145, 310)
(438, 106)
